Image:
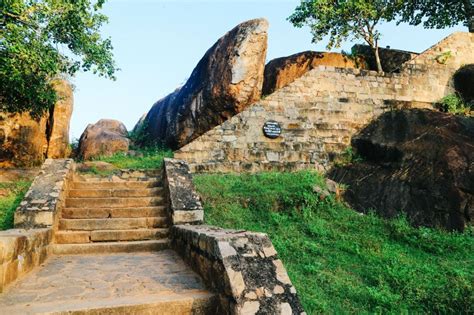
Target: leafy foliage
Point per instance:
(439, 13)
(43, 39)
(349, 156)
(342, 19)
(339, 260)
(8, 203)
(454, 104)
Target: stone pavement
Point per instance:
(68, 283)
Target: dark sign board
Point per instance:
(272, 129)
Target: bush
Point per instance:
(454, 104)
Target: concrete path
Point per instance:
(110, 283)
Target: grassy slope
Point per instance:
(341, 261)
(151, 158)
(9, 203)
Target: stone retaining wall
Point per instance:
(322, 110)
(184, 204)
(43, 202)
(21, 251)
(243, 267)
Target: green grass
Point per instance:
(341, 261)
(150, 158)
(10, 202)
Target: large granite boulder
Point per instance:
(416, 162)
(226, 80)
(23, 140)
(282, 71)
(60, 118)
(26, 141)
(391, 59)
(104, 138)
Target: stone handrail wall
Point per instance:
(184, 204)
(21, 251)
(243, 267)
(323, 109)
(44, 200)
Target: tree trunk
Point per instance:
(377, 58)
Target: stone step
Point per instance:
(115, 185)
(116, 177)
(104, 193)
(187, 303)
(82, 237)
(102, 213)
(112, 224)
(110, 247)
(113, 202)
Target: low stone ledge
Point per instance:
(183, 201)
(21, 251)
(43, 200)
(243, 267)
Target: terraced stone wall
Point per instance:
(44, 200)
(242, 267)
(184, 204)
(21, 251)
(321, 111)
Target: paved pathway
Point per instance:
(113, 277)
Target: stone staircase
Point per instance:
(112, 256)
(103, 215)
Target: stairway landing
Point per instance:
(122, 283)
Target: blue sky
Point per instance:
(157, 43)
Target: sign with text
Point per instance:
(272, 129)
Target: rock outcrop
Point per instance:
(391, 59)
(226, 80)
(104, 138)
(282, 71)
(27, 141)
(416, 162)
(60, 118)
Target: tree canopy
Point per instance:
(41, 40)
(439, 13)
(344, 19)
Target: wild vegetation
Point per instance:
(145, 158)
(10, 198)
(339, 260)
(454, 104)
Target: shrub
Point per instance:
(454, 104)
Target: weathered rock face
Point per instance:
(227, 79)
(391, 59)
(23, 140)
(27, 141)
(418, 162)
(282, 71)
(104, 138)
(60, 118)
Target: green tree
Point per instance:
(41, 40)
(439, 13)
(342, 19)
